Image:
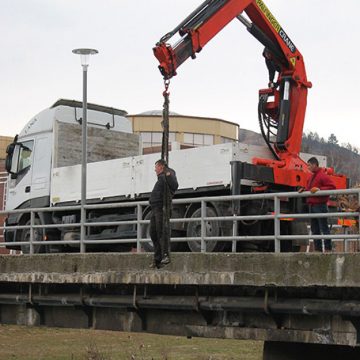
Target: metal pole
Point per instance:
(83, 163)
(346, 241)
(234, 233)
(139, 218)
(32, 218)
(203, 227)
(276, 224)
(358, 240)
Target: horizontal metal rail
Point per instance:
(203, 220)
(185, 220)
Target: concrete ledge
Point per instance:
(245, 269)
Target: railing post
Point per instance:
(358, 240)
(203, 228)
(346, 241)
(32, 217)
(276, 224)
(138, 228)
(82, 228)
(234, 233)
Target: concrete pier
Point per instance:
(254, 269)
(302, 299)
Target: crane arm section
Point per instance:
(208, 20)
(282, 105)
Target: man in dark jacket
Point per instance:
(318, 204)
(160, 202)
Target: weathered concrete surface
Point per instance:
(255, 269)
(283, 298)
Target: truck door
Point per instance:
(40, 184)
(19, 189)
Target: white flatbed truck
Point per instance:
(45, 171)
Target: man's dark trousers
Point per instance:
(320, 226)
(161, 244)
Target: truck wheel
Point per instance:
(145, 234)
(38, 236)
(212, 229)
(293, 228)
(299, 228)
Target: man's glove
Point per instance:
(313, 190)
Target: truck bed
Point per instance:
(202, 167)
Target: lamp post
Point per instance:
(85, 57)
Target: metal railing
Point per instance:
(276, 216)
(3, 186)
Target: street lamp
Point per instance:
(85, 57)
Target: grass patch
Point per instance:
(41, 343)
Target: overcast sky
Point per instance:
(37, 65)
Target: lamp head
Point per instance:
(85, 55)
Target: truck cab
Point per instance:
(52, 138)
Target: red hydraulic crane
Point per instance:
(281, 106)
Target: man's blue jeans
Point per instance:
(319, 226)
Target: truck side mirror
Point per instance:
(12, 157)
(9, 153)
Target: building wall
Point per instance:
(4, 142)
(221, 130)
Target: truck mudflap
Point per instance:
(245, 171)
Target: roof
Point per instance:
(158, 113)
(90, 106)
(64, 110)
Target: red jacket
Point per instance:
(322, 181)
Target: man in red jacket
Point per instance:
(318, 204)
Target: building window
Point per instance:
(225, 140)
(154, 138)
(198, 139)
(208, 139)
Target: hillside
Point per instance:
(344, 158)
(250, 137)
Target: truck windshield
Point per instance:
(25, 155)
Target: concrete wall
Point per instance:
(292, 298)
(4, 142)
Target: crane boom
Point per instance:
(282, 105)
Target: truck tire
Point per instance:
(145, 234)
(293, 228)
(299, 228)
(38, 236)
(212, 229)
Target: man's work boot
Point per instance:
(165, 260)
